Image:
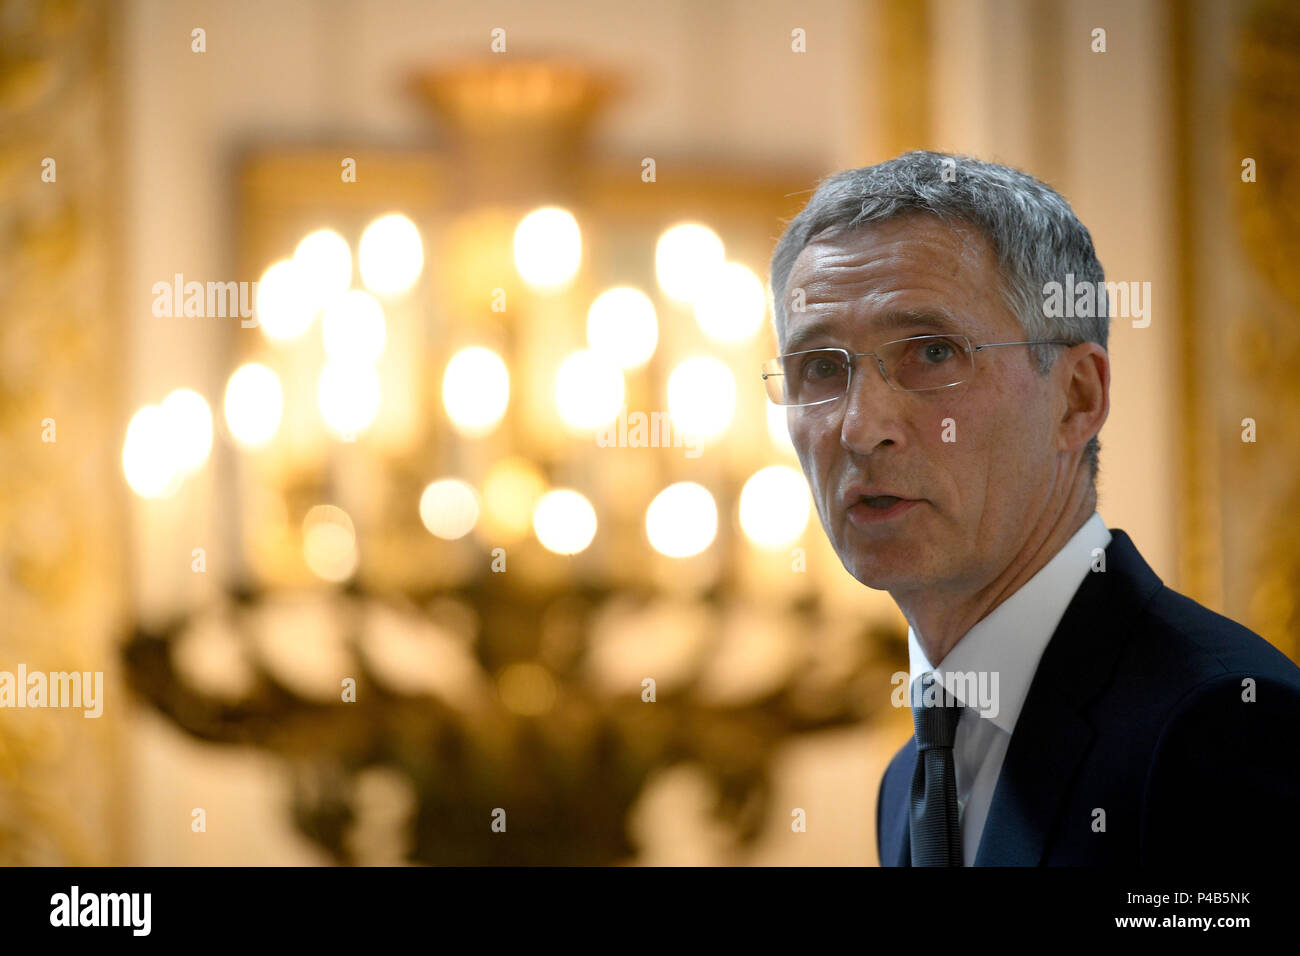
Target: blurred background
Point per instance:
(380, 409)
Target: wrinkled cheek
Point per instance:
(807, 459)
(816, 445)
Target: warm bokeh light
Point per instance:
(284, 302)
(329, 543)
(589, 390)
(254, 404)
(392, 255)
(526, 688)
(774, 506)
(475, 390)
(189, 425)
(685, 256)
(622, 325)
(510, 492)
(731, 303)
(353, 328)
(548, 248)
(702, 397)
(682, 520)
(324, 262)
(778, 428)
(449, 508)
(348, 397)
(149, 460)
(564, 521)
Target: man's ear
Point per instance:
(1086, 370)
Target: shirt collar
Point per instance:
(1004, 648)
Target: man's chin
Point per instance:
(888, 582)
(882, 575)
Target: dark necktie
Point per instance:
(934, 829)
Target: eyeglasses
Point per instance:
(915, 364)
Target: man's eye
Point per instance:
(936, 352)
(821, 368)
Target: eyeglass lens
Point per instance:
(819, 375)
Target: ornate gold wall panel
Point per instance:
(1237, 244)
(61, 527)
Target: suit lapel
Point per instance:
(1052, 733)
(1038, 768)
(895, 842)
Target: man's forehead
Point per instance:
(844, 255)
(912, 276)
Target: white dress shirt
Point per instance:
(1009, 643)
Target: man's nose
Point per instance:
(871, 409)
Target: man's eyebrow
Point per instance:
(806, 333)
(931, 320)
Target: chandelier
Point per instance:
(508, 524)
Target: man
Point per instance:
(947, 423)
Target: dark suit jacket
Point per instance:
(1137, 709)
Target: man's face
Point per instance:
(974, 498)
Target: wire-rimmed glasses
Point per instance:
(916, 364)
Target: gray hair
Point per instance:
(1033, 231)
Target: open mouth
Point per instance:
(879, 509)
(880, 502)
